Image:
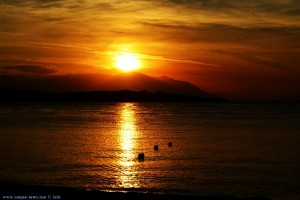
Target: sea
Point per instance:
(242, 149)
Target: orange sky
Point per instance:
(241, 49)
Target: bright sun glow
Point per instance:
(127, 62)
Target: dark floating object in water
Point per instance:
(156, 147)
(170, 144)
(141, 156)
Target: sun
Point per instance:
(127, 62)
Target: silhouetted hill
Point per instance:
(138, 81)
(99, 96)
(99, 82)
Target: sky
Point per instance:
(242, 49)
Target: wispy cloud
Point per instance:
(28, 69)
(162, 58)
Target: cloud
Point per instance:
(162, 58)
(250, 6)
(264, 35)
(28, 69)
(204, 3)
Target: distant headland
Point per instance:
(124, 87)
(100, 96)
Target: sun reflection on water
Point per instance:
(128, 135)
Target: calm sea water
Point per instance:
(218, 149)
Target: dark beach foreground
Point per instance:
(22, 191)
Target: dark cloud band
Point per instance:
(29, 69)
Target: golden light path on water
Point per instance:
(128, 134)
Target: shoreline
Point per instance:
(23, 191)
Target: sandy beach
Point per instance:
(22, 191)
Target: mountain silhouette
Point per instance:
(138, 81)
(99, 82)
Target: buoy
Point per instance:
(141, 156)
(156, 147)
(170, 144)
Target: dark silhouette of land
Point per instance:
(100, 96)
(99, 82)
(124, 87)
